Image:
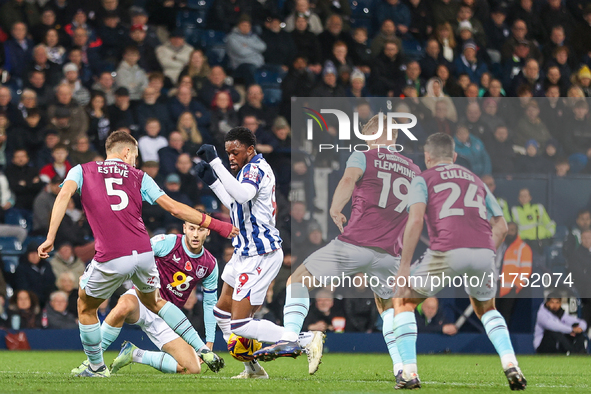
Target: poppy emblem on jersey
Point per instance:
(189, 267)
(176, 259)
(243, 278)
(201, 271)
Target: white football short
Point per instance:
(435, 270)
(153, 325)
(338, 259)
(100, 280)
(251, 276)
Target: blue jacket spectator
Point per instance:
(18, 51)
(472, 149)
(184, 102)
(34, 274)
(468, 63)
(396, 11)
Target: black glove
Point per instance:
(205, 172)
(207, 152)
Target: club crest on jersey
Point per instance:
(189, 267)
(176, 259)
(201, 271)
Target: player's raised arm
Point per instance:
(57, 215)
(241, 192)
(186, 213)
(342, 195)
(205, 172)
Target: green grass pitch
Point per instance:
(40, 372)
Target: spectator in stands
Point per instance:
(323, 315)
(35, 274)
(578, 138)
(152, 142)
(360, 50)
(14, 11)
(302, 10)
(386, 73)
(412, 77)
(139, 16)
(138, 37)
(333, 34)
(573, 240)
(215, 83)
(245, 51)
(514, 260)
(307, 45)
(64, 260)
(314, 241)
(433, 57)
(18, 52)
(535, 226)
(40, 62)
(43, 205)
(172, 187)
(23, 179)
(254, 106)
(357, 86)
(500, 149)
(7, 107)
(61, 123)
(56, 53)
(360, 310)
(37, 83)
(328, 86)
(106, 85)
(531, 76)
(469, 63)
(58, 316)
(7, 202)
(430, 319)
(579, 264)
(112, 34)
(489, 181)
(82, 152)
(183, 102)
(298, 82)
(99, 125)
(532, 162)
(60, 166)
(121, 113)
(78, 120)
(519, 36)
(79, 93)
(131, 75)
(174, 55)
(168, 155)
(556, 331)
(24, 304)
(474, 121)
(223, 117)
(67, 283)
(531, 126)
(89, 50)
(189, 187)
(197, 68)
(497, 32)
(472, 149)
(193, 137)
(387, 33)
(280, 47)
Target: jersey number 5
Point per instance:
(386, 178)
(109, 182)
(471, 200)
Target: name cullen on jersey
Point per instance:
(457, 174)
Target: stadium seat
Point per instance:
(561, 234)
(362, 16)
(214, 44)
(199, 4)
(272, 96)
(270, 75)
(10, 246)
(10, 263)
(555, 260)
(36, 239)
(19, 217)
(191, 18)
(210, 202)
(577, 162)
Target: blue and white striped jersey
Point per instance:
(256, 218)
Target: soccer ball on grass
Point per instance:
(242, 348)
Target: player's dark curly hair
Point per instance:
(242, 135)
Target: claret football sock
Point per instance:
(90, 335)
(405, 332)
(496, 329)
(297, 304)
(109, 334)
(179, 323)
(388, 332)
(160, 360)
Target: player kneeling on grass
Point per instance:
(249, 194)
(182, 263)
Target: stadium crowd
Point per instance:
(180, 73)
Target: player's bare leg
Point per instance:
(297, 303)
(386, 310)
(496, 329)
(90, 335)
(177, 320)
(405, 333)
